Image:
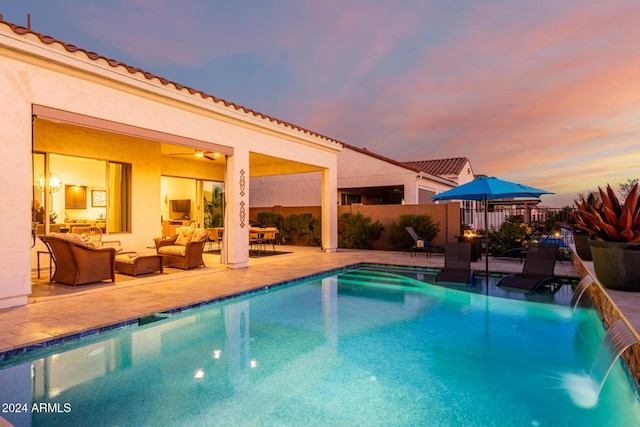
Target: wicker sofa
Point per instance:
(184, 250)
(78, 263)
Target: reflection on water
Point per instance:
(332, 351)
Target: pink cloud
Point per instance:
(528, 90)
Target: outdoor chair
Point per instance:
(78, 263)
(537, 273)
(184, 250)
(215, 236)
(92, 235)
(256, 240)
(269, 237)
(421, 245)
(457, 264)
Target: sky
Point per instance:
(542, 92)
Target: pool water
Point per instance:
(362, 347)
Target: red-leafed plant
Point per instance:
(607, 220)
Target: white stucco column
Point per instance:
(15, 187)
(236, 220)
(330, 209)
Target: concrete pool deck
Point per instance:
(56, 311)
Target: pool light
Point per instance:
(198, 375)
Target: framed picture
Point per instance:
(75, 197)
(98, 198)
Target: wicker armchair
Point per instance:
(78, 263)
(93, 236)
(184, 250)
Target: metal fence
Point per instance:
(547, 221)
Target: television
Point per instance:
(180, 209)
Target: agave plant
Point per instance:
(607, 219)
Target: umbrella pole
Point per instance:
(486, 243)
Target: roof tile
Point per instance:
(441, 167)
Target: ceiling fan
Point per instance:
(201, 154)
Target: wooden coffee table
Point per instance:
(134, 263)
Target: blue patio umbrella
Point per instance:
(485, 188)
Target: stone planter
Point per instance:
(581, 240)
(617, 264)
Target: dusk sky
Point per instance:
(545, 93)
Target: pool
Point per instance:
(368, 346)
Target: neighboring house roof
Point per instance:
(441, 167)
(405, 165)
(149, 76)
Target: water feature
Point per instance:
(585, 388)
(585, 282)
(618, 338)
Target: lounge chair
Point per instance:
(93, 236)
(421, 245)
(457, 264)
(78, 263)
(537, 273)
(184, 250)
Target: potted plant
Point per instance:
(615, 246)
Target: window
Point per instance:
(119, 202)
(213, 201)
(348, 199)
(95, 192)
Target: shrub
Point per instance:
(422, 224)
(270, 219)
(357, 232)
(512, 234)
(302, 229)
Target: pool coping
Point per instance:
(9, 354)
(61, 339)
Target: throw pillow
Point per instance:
(199, 234)
(184, 235)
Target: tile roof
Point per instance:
(17, 29)
(441, 167)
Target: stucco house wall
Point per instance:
(356, 169)
(52, 76)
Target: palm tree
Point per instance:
(213, 209)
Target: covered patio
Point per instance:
(114, 131)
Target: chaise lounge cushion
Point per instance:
(178, 250)
(185, 235)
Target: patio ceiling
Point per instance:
(187, 153)
(264, 165)
(260, 164)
